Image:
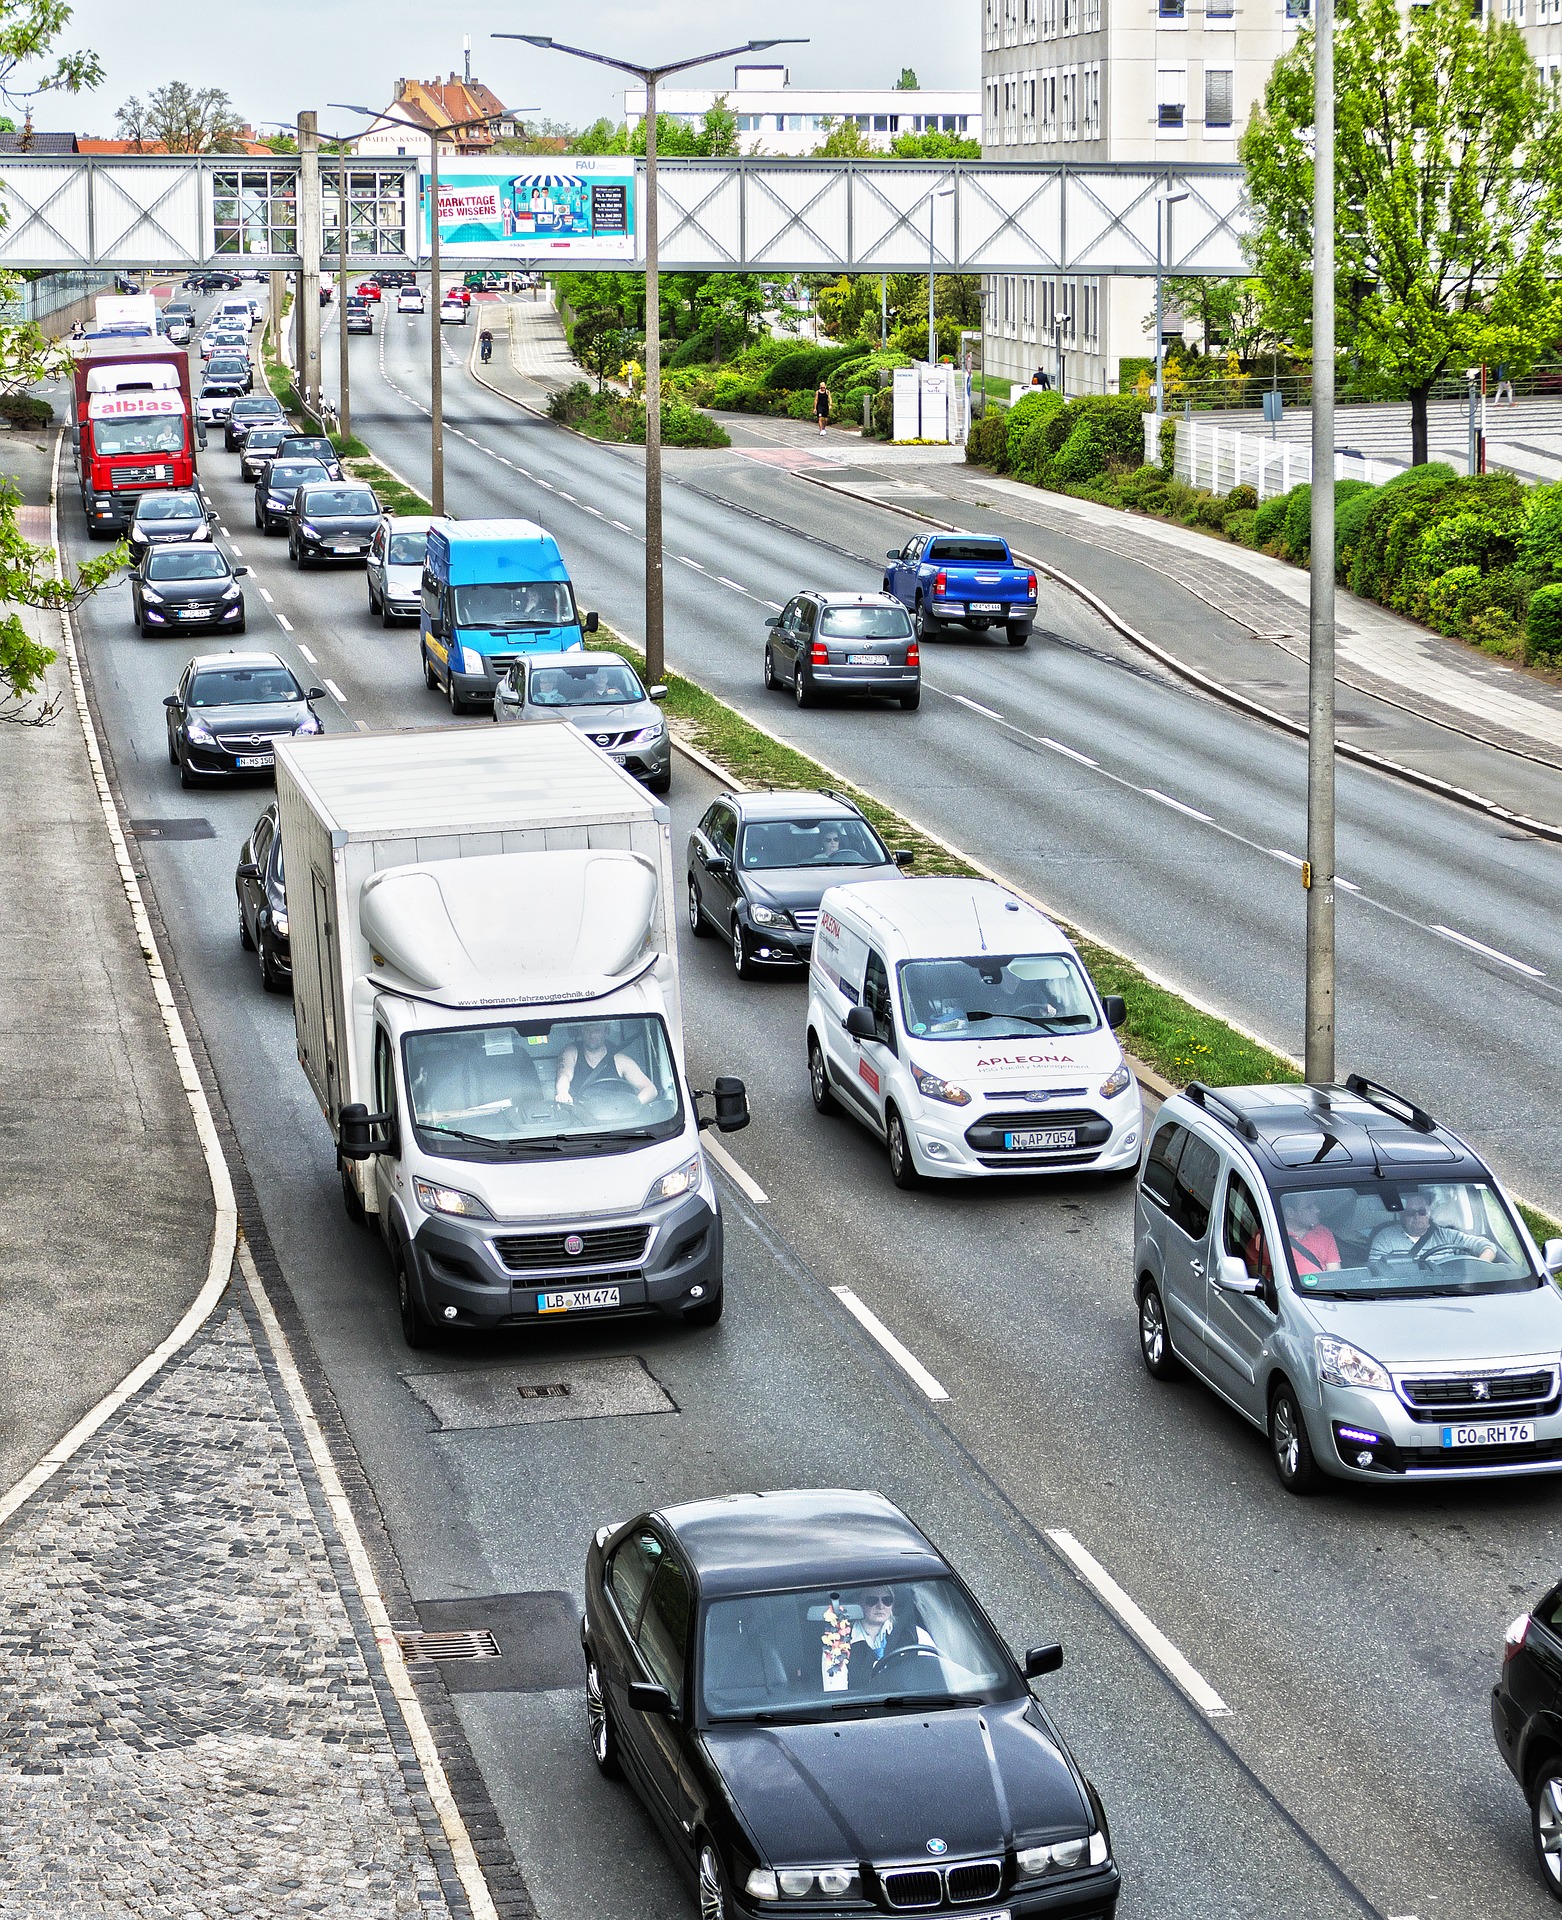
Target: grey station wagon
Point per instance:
(1352, 1278)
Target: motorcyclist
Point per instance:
(485, 345)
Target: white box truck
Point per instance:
(485, 979)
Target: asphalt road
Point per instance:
(1354, 1636)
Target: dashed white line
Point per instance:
(688, 562)
(1295, 860)
(622, 528)
(305, 652)
(737, 586)
(546, 485)
(1057, 746)
(232, 543)
(287, 627)
(903, 1357)
(266, 596)
(1174, 1664)
(566, 496)
(1491, 953)
(976, 707)
(1154, 793)
(361, 725)
(336, 693)
(740, 1177)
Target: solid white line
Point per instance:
(976, 707)
(1058, 747)
(1154, 793)
(1491, 953)
(1175, 1665)
(265, 596)
(336, 693)
(284, 623)
(774, 605)
(902, 1356)
(740, 1178)
(307, 654)
(1349, 885)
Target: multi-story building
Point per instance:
(444, 103)
(774, 117)
(1164, 81)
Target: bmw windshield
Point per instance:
(1398, 1239)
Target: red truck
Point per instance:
(134, 428)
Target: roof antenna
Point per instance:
(466, 50)
(981, 932)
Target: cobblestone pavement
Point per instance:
(194, 1722)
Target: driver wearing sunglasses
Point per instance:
(1416, 1236)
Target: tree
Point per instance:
(183, 119)
(1448, 181)
(935, 146)
(908, 82)
(844, 140)
(1230, 313)
(28, 30)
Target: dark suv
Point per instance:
(1526, 1715)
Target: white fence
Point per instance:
(1220, 458)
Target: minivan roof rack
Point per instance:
(1220, 1109)
(1387, 1101)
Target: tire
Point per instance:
(710, 1886)
(246, 939)
(375, 606)
(387, 618)
(902, 1168)
(707, 1313)
(415, 1330)
(1018, 636)
(819, 1079)
(457, 704)
(663, 785)
(186, 778)
(173, 752)
(1289, 1445)
(240, 628)
(1545, 1810)
(909, 702)
(270, 979)
(741, 964)
(923, 623)
(697, 924)
(600, 1730)
(801, 692)
(352, 1205)
(430, 677)
(771, 682)
(1155, 1347)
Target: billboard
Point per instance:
(526, 208)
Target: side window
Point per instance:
(384, 1074)
(430, 595)
(911, 549)
(789, 618)
(260, 842)
(875, 997)
(629, 1572)
(1197, 1172)
(663, 1638)
(1242, 1234)
(378, 548)
(807, 614)
(1160, 1167)
(724, 830)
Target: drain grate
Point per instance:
(555, 1390)
(419, 1646)
(186, 827)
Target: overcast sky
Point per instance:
(354, 50)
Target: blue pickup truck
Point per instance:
(962, 580)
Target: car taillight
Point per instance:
(820, 655)
(1514, 1638)
(1030, 585)
(913, 658)
(941, 582)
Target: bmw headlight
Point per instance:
(798, 1883)
(1343, 1365)
(932, 1088)
(437, 1199)
(673, 1186)
(1116, 1082)
(1063, 1856)
(769, 917)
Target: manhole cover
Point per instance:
(531, 1641)
(417, 1647)
(526, 1394)
(186, 828)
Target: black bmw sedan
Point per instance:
(229, 712)
(821, 1719)
(331, 521)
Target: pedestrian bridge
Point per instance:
(766, 216)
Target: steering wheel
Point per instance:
(916, 1652)
(609, 1103)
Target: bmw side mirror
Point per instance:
(1553, 1255)
(1040, 1660)
(1232, 1276)
(248, 870)
(315, 693)
(657, 692)
(860, 1024)
(646, 1697)
(904, 856)
(1115, 1008)
(893, 554)
(592, 623)
(170, 699)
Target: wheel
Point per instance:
(1018, 636)
(270, 979)
(740, 960)
(599, 1725)
(173, 751)
(375, 606)
(819, 1079)
(1288, 1442)
(902, 1168)
(243, 623)
(707, 1313)
(800, 691)
(923, 622)
(909, 702)
(456, 702)
(260, 524)
(246, 938)
(697, 924)
(430, 677)
(387, 618)
(186, 778)
(352, 1204)
(663, 784)
(771, 682)
(712, 1889)
(1546, 1825)
(415, 1330)
(1155, 1348)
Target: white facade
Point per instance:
(1112, 80)
(774, 117)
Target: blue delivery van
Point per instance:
(494, 591)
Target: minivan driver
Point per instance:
(593, 1063)
(1414, 1236)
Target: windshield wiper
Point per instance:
(899, 1702)
(1048, 1023)
(500, 1143)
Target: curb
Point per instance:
(1379, 763)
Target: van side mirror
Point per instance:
(1552, 1252)
(592, 623)
(1040, 1660)
(1115, 1008)
(731, 1097)
(355, 1131)
(1231, 1275)
(646, 1697)
(904, 856)
(860, 1024)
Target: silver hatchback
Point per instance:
(600, 694)
(1352, 1278)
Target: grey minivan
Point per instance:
(1352, 1278)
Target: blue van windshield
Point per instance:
(530, 603)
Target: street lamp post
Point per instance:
(1164, 202)
(942, 193)
(655, 648)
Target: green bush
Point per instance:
(1145, 487)
(987, 444)
(1452, 598)
(609, 416)
(884, 415)
(1465, 539)
(1027, 423)
(1545, 625)
(1540, 539)
(1243, 499)
(805, 366)
(1105, 431)
(1168, 445)
(25, 410)
(1211, 513)
(1349, 517)
(1243, 528)
(1269, 521)
(1496, 631)
(1296, 533)
(850, 404)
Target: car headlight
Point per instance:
(932, 1088)
(797, 1883)
(1116, 1082)
(309, 724)
(1063, 1856)
(674, 1185)
(471, 660)
(232, 591)
(279, 920)
(198, 730)
(1343, 1365)
(769, 917)
(647, 735)
(151, 596)
(436, 1199)
(276, 499)
(305, 527)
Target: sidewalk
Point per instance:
(197, 1716)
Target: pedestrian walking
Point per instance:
(1504, 385)
(822, 406)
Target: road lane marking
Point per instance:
(1174, 1664)
(737, 586)
(775, 605)
(233, 544)
(689, 562)
(266, 596)
(284, 623)
(305, 651)
(622, 528)
(903, 1357)
(739, 1176)
(1057, 746)
(1349, 885)
(336, 693)
(976, 707)
(1491, 953)
(1154, 793)
(566, 496)
(361, 725)
(1290, 859)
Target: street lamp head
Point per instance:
(341, 106)
(531, 39)
(760, 46)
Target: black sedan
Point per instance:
(1526, 1712)
(230, 711)
(818, 1714)
(192, 585)
(312, 446)
(262, 891)
(331, 521)
(276, 486)
(209, 282)
(163, 518)
(249, 412)
(259, 450)
(759, 864)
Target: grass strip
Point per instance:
(1166, 1032)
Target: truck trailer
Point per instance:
(132, 426)
(485, 976)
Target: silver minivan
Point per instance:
(1353, 1279)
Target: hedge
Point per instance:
(25, 410)
(1545, 624)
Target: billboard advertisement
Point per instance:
(524, 207)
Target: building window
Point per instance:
(1047, 106)
(1092, 16)
(1171, 99)
(1219, 88)
(1049, 19)
(990, 130)
(1009, 321)
(1011, 23)
(1011, 111)
(1218, 12)
(881, 123)
(1070, 16)
(1028, 110)
(1090, 85)
(1028, 310)
(1090, 312)
(1070, 104)
(1066, 309)
(1027, 20)
(1298, 10)
(990, 18)
(1170, 10)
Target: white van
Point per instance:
(238, 311)
(960, 1025)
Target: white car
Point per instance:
(410, 300)
(452, 308)
(958, 1023)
